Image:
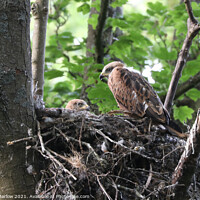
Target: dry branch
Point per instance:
(193, 29)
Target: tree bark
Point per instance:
(16, 101)
(40, 13)
(99, 31)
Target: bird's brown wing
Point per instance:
(134, 94)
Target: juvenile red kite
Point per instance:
(77, 104)
(133, 93)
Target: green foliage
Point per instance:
(147, 39)
(93, 20)
(183, 113)
(156, 9)
(193, 94)
(84, 8)
(101, 95)
(53, 74)
(192, 68)
(118, 3)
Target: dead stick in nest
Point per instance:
(54, 160)
(188, 161)
(40, 137)
(130, 190)
(20, 140)
(102, 188)
(68, 138)
(51, 157)
(149, 178)
(27, 139)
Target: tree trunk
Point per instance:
(16, 102)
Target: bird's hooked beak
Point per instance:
(85, 107)
(103, 77)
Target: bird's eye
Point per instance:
(80, 104)
(109, 69)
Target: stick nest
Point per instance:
(104, 157)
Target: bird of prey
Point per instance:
(77, 104)
(135, 95)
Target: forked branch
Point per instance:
(193, 29)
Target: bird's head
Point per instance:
(108, 69)
(77, 104)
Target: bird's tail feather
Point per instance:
(174, 129)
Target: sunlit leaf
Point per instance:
(183, 113)
(193, 94)
(118, 3)
(93, 20)
(84, 8)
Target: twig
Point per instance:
(80, 136)
(68, 138)
(54, 160)
(193, 29)
(117, 191)
(132, 191)
(149, 177)
(58, 155)
(20, 140)
(40, 137)
(103, 189)
(177, 148)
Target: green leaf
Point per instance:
(156, 8)
(120, 23)
(192, 67)
(101, 95)
(52, 52)
(64, 37)
(183, 113)
(93, 20)
(118, 3)
(82, 0)
(61, 87)
(193, 94)
(163, 54)
(53, 74)
(96, 4)
(84, 8)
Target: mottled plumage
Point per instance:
(77, 104)
(135, 96)
(133, 93)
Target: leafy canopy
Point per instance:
(148, 40)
